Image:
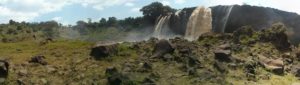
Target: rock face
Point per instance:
(103, 50)
(4, 67)
(161, 48)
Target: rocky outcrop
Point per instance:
(277, 35)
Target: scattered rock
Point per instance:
(221, 67)
(43, 81)
(296, 70)
(104, 50)
(40, 59)
(161, 48)
(111, 71)
(223, 53)
(51, 69)
(276, 66)
(148, 81)
(20, 82)
(116, 78)
(4, 67)
(23, 72)
(145, 67)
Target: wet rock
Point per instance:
(275, 65)
(40, 59)
(103, 50)
(161, 48)
(4, 67)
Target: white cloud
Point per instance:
(57, 18)
(165, 2)
(27, 10)
(180, 1)
(129, 4)
(136, 9)
(102, 4)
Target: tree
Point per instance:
(102, 22)
(152, 11)
(12, 22)
(112, 21)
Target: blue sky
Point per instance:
(70, 11)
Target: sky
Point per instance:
(70, 11)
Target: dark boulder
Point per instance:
(161, 48)
(4, 67)
(103, 50)
(40, 59)
(223, 53)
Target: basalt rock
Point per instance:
(101, 51)
(4, 67)
(161, 48)
(274, 65)
(40, 59)
(223, 53)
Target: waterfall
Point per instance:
(225, 19)
(161, 27)
(199, 22)
(178, 12)
(221, 16)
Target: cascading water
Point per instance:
(177, 12)
(199, 22)
(161, 26)
(225, 19)
(221, 16)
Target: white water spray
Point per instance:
(199, 22)
(225, 19)
(161, 25)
